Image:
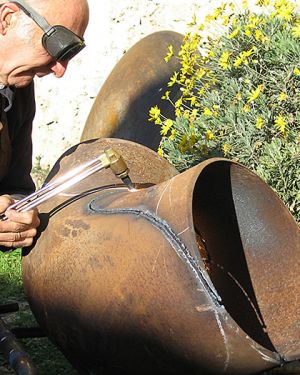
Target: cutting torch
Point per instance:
(110, 158)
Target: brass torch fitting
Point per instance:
(117, 163)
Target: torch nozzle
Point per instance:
(127, 181)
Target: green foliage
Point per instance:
(10, 277)
(39, 173)
(240, 84)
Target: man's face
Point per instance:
(27, 61)
(24, 57)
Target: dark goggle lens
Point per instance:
(69, 52)
(61, 43)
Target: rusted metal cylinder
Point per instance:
(137, 82)
(193, 273)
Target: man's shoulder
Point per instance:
(24, 100)
(25, 93)
(23, 108)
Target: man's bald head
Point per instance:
(25, 52)
(73, 14)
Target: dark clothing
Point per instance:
(16, 160)
(7, 93)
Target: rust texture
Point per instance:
(193, 273)
(137, 82)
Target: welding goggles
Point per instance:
(61, 43)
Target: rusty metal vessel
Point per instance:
(137, 82)
(192, 273)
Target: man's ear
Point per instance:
(7, 10)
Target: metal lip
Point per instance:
(259, 234)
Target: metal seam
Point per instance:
(172, 238)
(183, 253)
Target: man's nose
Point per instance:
(59, 68)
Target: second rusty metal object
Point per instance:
(194, 273)
(137, 82)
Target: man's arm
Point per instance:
(20, 228)
(20, 117)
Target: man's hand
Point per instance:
(20, 228)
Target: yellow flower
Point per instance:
(167, 95)
(248, 32)
(280, 123)
(178, 103)
(246, 108)
(234, 33)
(242, 57)
(238, 96)
(172, 136)
(258, 35)
(200, 73)
(178, 112)
(232, 6)
(154, 114)
(194, 112)
(211, 54)
(238, 61)
(265, 39)
(225, 20)
(245, 4)
(208, 18)
(282, 96)
(201, 91)
(169, 122)
(170, 53)
(234, 21)
(207, 112)
(173, 79)
(254, 94)
(219, 11)
(225, 148)
(296, 31)
(166, 127)
(250, 51)
(192, 100)
(278, 3)
(259, 123)
(201, 27)
(284, 9)
(160, 151)
(209, 135)
(186, 114)
(223, 61)
(296, 71)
